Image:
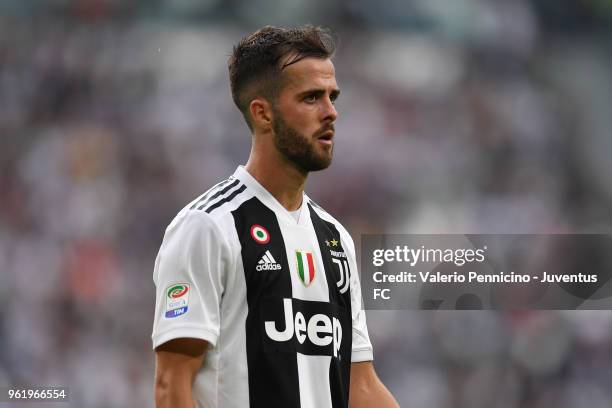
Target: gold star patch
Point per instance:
(334, 242)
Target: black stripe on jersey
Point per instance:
(211, 190)
(226, 199)
(224, 190)
(205, 202)
(339, 369)
(272, 373)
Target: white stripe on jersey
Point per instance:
(314, 389)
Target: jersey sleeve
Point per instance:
(189, 278)
(362, 347)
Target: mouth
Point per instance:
(326, 138)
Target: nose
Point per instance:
(330, 113)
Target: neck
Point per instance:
(280, 177)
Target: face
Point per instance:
(304, 114)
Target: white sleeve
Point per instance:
(189, 279)
(362, 347)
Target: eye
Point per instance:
(334, 97)
(310, 98)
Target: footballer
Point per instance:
(258, 298)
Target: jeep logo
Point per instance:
(320, 330)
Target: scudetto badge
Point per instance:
(306, 268)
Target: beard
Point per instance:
(298, 148)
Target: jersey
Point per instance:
(277, 299)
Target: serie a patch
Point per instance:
(177, 299)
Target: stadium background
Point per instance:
(456, 116)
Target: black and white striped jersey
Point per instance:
(277, 299)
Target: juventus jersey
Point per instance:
(278, 300)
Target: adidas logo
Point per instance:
(267, 263)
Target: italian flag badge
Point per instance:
(306, 269)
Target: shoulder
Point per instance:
(211, 210)
(218, 197)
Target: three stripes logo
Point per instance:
(268, 263)
(306, 269)
(220, 194)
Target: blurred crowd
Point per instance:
(456, 116)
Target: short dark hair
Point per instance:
(254, 66)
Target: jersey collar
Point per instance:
(269, 200)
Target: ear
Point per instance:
(261, 113)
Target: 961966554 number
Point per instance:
(55, 394)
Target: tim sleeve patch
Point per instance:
(177, 299)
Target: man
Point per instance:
(258, 297)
